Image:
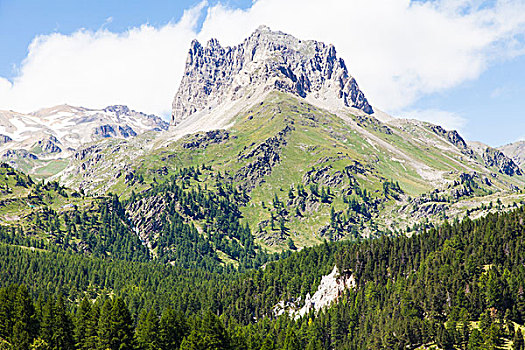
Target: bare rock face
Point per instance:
(505, 165)
(49, 145)
(267, 60)
(331, 288)
(454, 138)
(5, 139)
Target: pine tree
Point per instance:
(194, 341)
(62, 338)
(104, 333)
(47, 322)
(147, 331)
(39, 344)
(314, 344)
(475, 340)
(82, 322)
(173, 329)
(26, 327)
(291, 342)
(91, 334)
(121, 326)
(215, 335)
(6, 317)
(268, 344)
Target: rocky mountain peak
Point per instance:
(267, 60)
(118, 109)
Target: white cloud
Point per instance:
(398, 50)
(446, 119)
(141, 68)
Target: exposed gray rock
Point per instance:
(454, 138)
(203, 140)
(373, 123)
(323, 176)
(5, 139)
(19, 153)
(107, 130)
(124, 111)
(269, 59)
(263, 159)
(516, 151)
(495, 158)
(49, 145)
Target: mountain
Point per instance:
(275, 131)
(221, 230)
(266, 61)
(30, 141)
(515, 151)
(274, 117)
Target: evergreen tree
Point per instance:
(173, 329)
(475, 340)
(147, 331)
(62, 337)
(268, 344)
(105, 331)
(39, 344)
(291, 342)
(47, 322)
(90, 340)
(82, 324)
(26, 326)
(121, 326)
(6, 317)
(215, 335)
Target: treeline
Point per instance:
(101, 230)
(459, 286)
(200, 221)
(201, 218)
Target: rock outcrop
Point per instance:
(454, 138)
(203, 140)
(5, 139)
(515, 151)
(267, 60)
(495, 158)
(331, 288)
(107, 130)
(49, 145)
(262, 160)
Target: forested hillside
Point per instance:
(456, 286)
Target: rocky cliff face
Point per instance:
(331, 288)
(496, 158)
(454, 138)
(516, 151)
(265, 61)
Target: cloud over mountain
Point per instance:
(398, 50)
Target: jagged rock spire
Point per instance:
(267, 60)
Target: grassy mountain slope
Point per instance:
(312, 175)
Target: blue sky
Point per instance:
(22, 20)
(458, 63)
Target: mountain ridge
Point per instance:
(266, 60)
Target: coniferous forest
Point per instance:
(457, 286)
